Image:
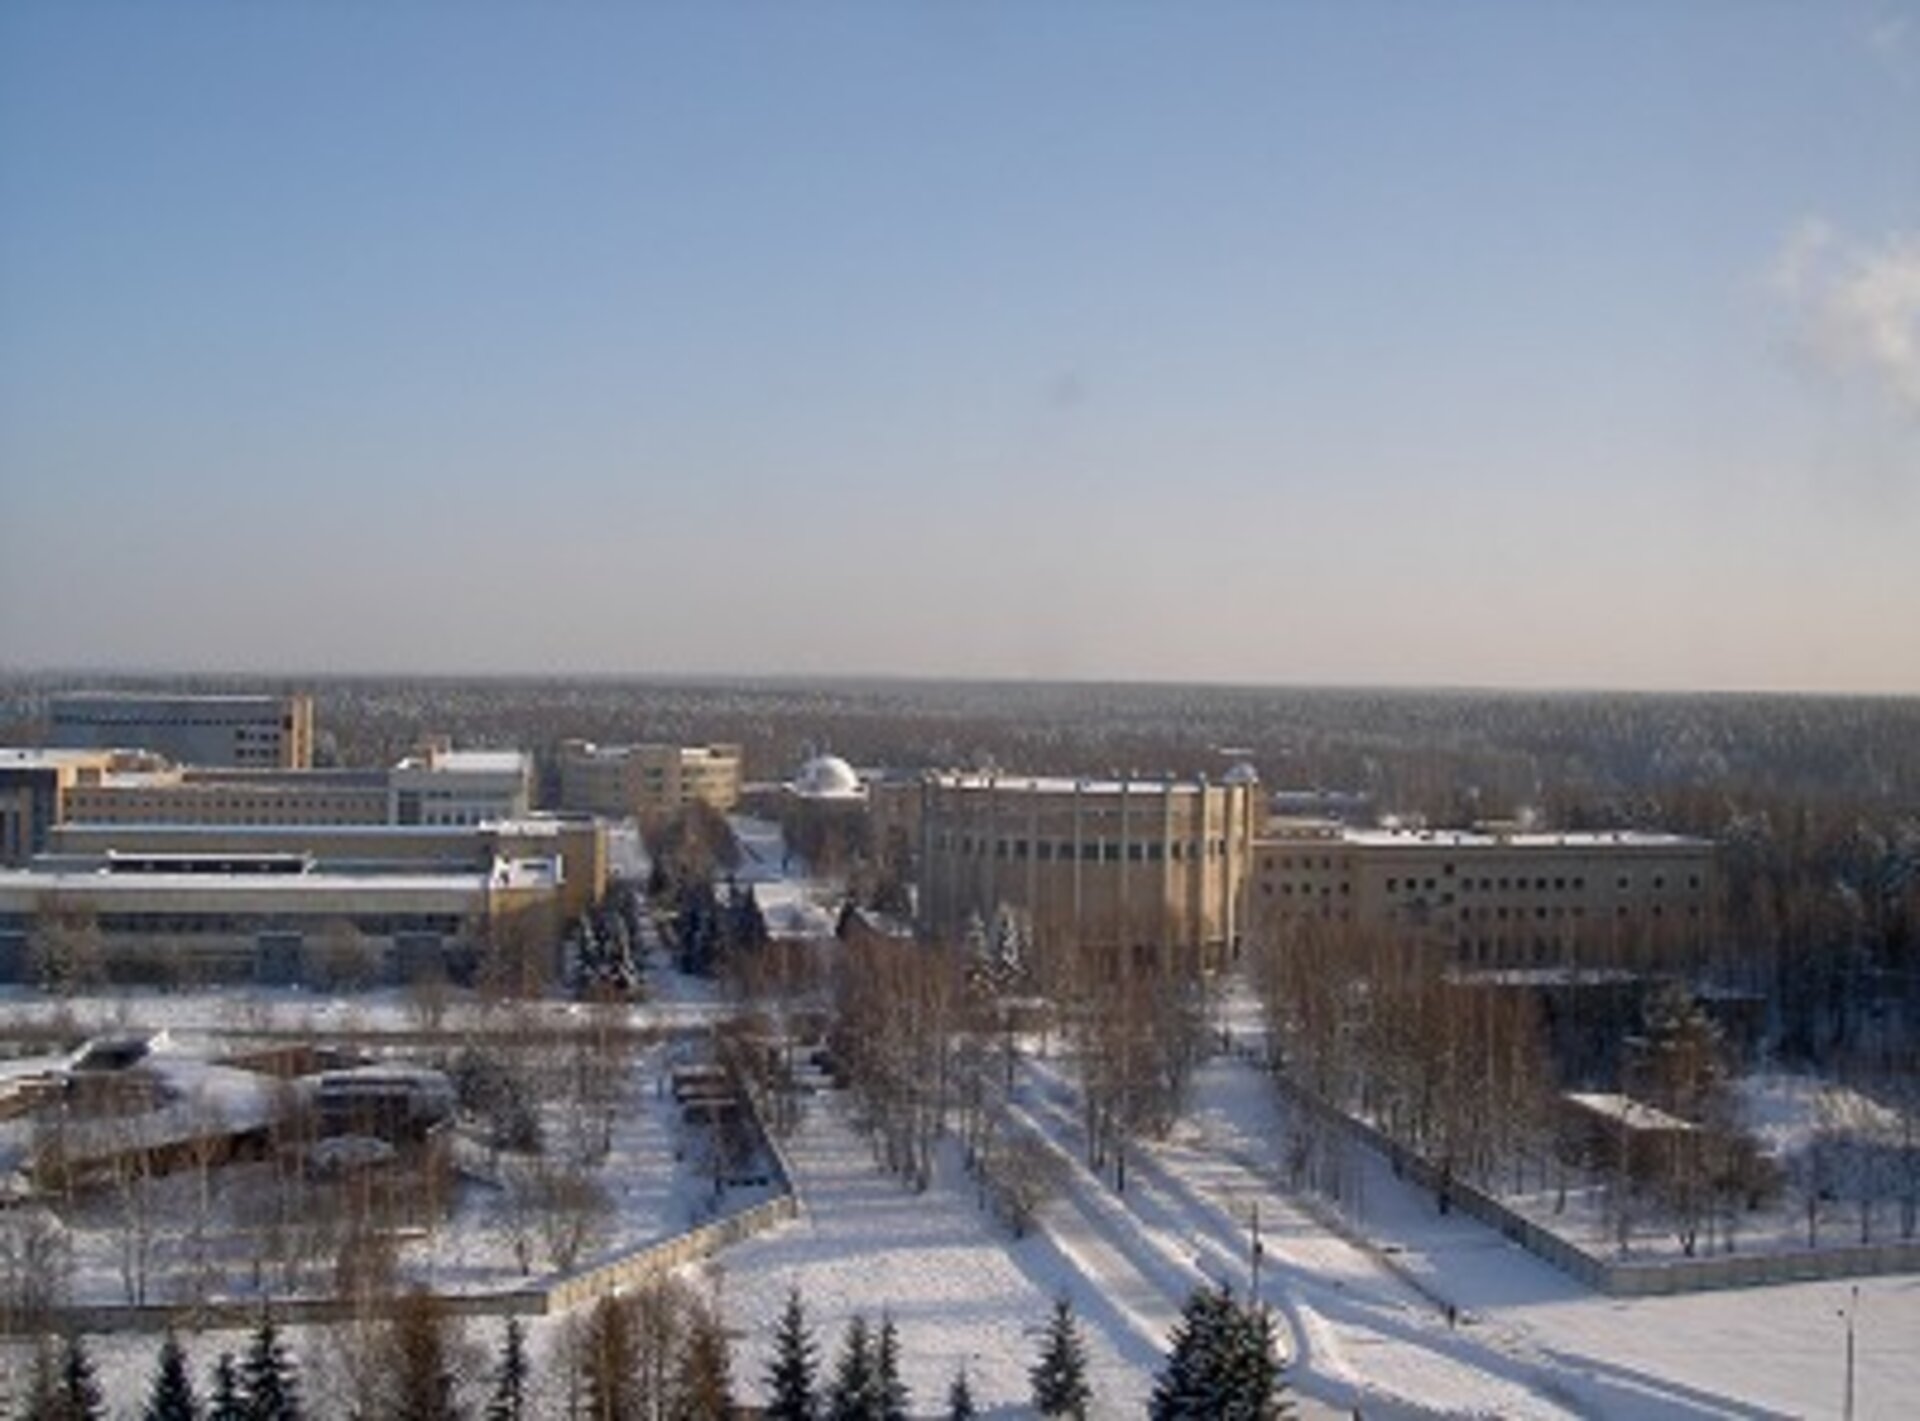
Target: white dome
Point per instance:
(827, 777)
(1241, 774)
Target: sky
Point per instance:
(1512, 344)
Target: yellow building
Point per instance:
(1493, 897)
(239, 797)
(1103, 864)
(647, 781)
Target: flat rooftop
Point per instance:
(1472, 839)
(1066, 784)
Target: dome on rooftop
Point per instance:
(1241, 774)
(827, 777)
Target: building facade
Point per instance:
(1490, 898)
(239, 732)
(444, 786)
(273, 918)
(240, 797)
(647, 781)
(1104, 865)
(35, 788)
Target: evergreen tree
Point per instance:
(1222, 1364)
(172, 1398)
(226, 1404)
(510, 1376)
(891, 1391)
(269, 1382)
(1059, 1377)
(1190, 1386)
(80, 1396)
(855, 1393)
(791, 1374)
(960, 1405)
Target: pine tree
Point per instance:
(509, 1399)
(1059, 1377)
(892, 1393)
(269, 1382)
(226, 1404)
(855, 1392)
(172, 1398)
(960, 1405)
(80, 1396)
(1222, 1364)
(1190, 1388)
(791, 1375)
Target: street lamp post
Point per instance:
(1853, 1306)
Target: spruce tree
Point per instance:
(172, 1398)
(80, 1396)
(855, 1393)
(791, 1394)
(226, 1404)
(960, 1405)
(892, 1392)
(510, 1376)
(1189, 1388)
(1059, 1377)
(269, 1382)
(1222, 1363)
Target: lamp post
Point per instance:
(1853, 1306)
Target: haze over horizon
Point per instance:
(1507, 346)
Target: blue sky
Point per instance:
(1519, 344)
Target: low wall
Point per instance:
(1619, 1277)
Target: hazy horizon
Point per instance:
(1502, 347)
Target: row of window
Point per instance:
(233, 924)
(1086, 850)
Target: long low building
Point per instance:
(1109, 865)
(578, 843)
(273, 918)
(1492, 896)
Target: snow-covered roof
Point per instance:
(1281, 829)
(1626, 1111)
(1063, 784)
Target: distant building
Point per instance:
(274, 918)
(34, 788)
(1116, 865)
(1495, 897)
(647, 781)
(438, 786)
(445, 786)
(578, 844)
(174, 795)
(240, 732)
